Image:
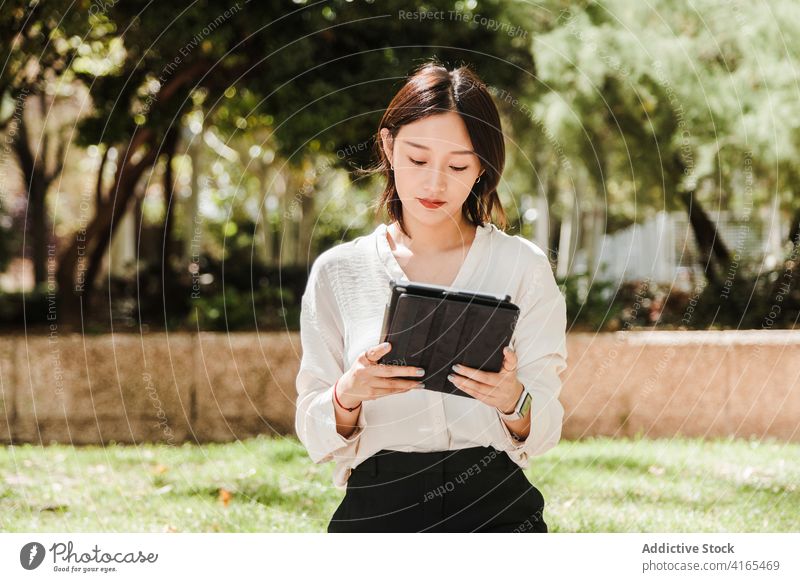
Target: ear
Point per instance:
(388, 144)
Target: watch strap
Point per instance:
(516, 414)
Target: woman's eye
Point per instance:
(418, 163)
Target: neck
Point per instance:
(435, 239)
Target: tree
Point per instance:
(308, 73)
(35, 59)
(40, 165)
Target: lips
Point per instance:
(430, 203)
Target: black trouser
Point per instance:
(479, 489)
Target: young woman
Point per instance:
(413, 459)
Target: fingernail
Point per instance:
(456, 367)
(421, 385)
(420, 372)
(450, 377)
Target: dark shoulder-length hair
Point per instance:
(430, 90)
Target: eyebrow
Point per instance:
(422, 147)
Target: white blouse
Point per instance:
(342, 315)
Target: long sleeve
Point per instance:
(321, 336)
(539, 341)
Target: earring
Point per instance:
(478, 180)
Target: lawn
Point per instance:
(270, 485)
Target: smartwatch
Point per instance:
(521, 409)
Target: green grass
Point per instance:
(594, 485)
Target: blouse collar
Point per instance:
(396, 272)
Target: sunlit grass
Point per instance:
(270, 485)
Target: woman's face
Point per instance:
(433, 159)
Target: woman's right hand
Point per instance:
(366, 380)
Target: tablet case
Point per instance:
(434, 327)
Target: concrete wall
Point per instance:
(693, 383)
(220, 387)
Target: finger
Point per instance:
(473, 385)
(478, 375)
(373, 354)
(390, 371)
(510, 360)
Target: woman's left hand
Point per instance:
(499, 389)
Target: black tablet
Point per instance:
(434, 327)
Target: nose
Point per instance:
(436, 181)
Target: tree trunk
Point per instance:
(74, 282)
(553, 221)
(714, 254)
(193, 240)
(555, 238)
(80, 262)
(541, 226)
(568, 238)
(109, 221)
(167, 243)
(794, 228)
(266, 226)
(37, 182)
(308, 214)
(789, 271)
(36, 206)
